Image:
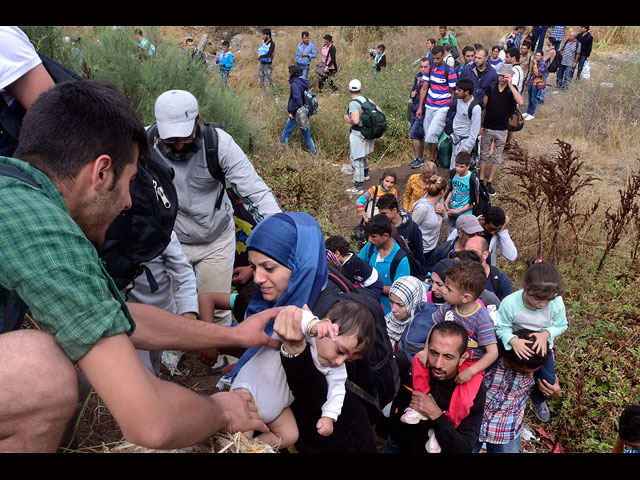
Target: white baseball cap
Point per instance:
(176, 113)
(355, 85)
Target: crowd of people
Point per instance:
(422, 341)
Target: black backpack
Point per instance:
(140, 234)
(555, 63)
(11, 118)
(375, 378)
(415, 269)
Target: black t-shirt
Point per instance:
(500, 106)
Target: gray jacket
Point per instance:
(198, 222)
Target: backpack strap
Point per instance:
(397, 258)
(211, 148)
(13, 172)
(493, 274)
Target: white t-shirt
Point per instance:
(17, 57)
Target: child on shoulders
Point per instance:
(464, 190)
(538, 306)
(465, 281)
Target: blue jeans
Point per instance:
(304, 70)
(542, 94)
(546, 372)
(533, 100)
(512, 447)
(581, 60)
(306, 134)
(537, 36)
(564, 76)
(224, 75)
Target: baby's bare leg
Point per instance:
(283, 431)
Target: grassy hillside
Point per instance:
(593, 238)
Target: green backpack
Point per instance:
(374, 122)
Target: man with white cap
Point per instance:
(499, 99)
(205, 224)
(359, 146)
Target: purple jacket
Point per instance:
(296, 94)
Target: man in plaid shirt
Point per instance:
(509, 382)
(79, 149)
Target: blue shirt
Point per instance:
(310, 48)
(460, 194)
(383, 266)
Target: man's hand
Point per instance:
(425, 404)
(240, 411)
(242, 275)
(549, 390)
(252, 329)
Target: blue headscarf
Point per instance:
(295, 240)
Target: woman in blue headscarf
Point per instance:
(288, 256)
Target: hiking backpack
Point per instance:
(374, 122)
(451, 113)
(143, 232)
(555, 63)
(378, 386)
(310, 101)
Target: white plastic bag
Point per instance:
(586, 71)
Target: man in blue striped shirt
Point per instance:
(438, 87)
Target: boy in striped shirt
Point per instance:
(436, 92)
(465, 280)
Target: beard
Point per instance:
(96, 215)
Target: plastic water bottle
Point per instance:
(606, 84)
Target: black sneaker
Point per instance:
(490, 189)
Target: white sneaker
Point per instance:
(347, 169)
(525, 116)
(411, 416)
(354, 191)
(528, 117)
(367, 178)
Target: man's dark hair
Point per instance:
(267, 31)
(450, 329)
(468, 48)
(73, 123)
(536, 360)
(294, 71)
(437, 49)
(354, 319)
(432, 40)
(225, 43)
(379, 225)
(337, 243)
(304, 34)
(388, 201)
(514, 52)
(629, 424)
(494, 215)
(465, 84)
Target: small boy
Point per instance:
(465, 280)
(379, 58)
(356, 270)
(224, 60)
(464, 193)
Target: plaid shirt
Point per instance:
(557, 33)
(50, 264)
(507, 394)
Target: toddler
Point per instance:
(356, 270)
(264, 378)
(538, 306)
